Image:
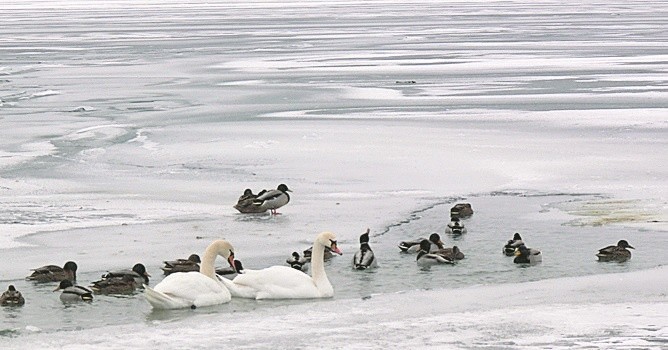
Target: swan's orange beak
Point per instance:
(335, 248)
(230, 260)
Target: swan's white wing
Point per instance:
(278, 282)
(187, 289)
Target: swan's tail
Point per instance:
(160, 300)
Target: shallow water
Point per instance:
(568, 251)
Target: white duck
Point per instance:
(284, 282)
(194, 289)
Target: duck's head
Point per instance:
(455, 249)
(436, 239)
(283, 188)
(364, 238)
(63, 284)
(194, 258)
(328, 240)
(517, 237)
(141, 270)
(624, 244)
(522, 250)
(11, 288)
(425, 245)
(295, 255)
(248, 192)
(238, 267)
(70, 266)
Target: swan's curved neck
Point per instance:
(208, 265)
(318, 269)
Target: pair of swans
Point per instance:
(205, 288)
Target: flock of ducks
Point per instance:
(196, 282)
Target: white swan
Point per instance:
(284, 282)
(194, 289)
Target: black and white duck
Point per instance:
(297, 262)
(525, 255)
(512, 244)
(12, 297)
(414, 246)
(364, 258)
(425, 258)
(455, 227)
(53, 273)
(273, 199)
(618, 253)
(72, 293)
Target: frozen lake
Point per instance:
(132, 127)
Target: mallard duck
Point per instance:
(182, 265)
(245, 202)
(525, 255)
(71, 293)
(425, 258)
(12, 297)
(273, 199)
(617, 253)
(364, 257)
(122, 281)
(138, 273)
(230, 272)
(461, 210)
(297, 262)
(453, 253)
(414, 246)
(308, 252)
(511, 246)
(455, 227)
(53, 273)
(123, 284)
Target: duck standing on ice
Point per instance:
(273, 199)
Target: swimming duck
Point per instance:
(72, 293)
(122, 284)
(245, 202)
(364, 257)
(273, 199)
(453, 253)
(182, 265)
(455, 226)
(525, 255)
(229, 272)
(414, 246)
(297, 262)
(425, 258)
(138, 273)
(511, 246)
(461, 210)
(122, 281)
(53, 273)
(308, 252)
(617, 253)
(12, 297)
